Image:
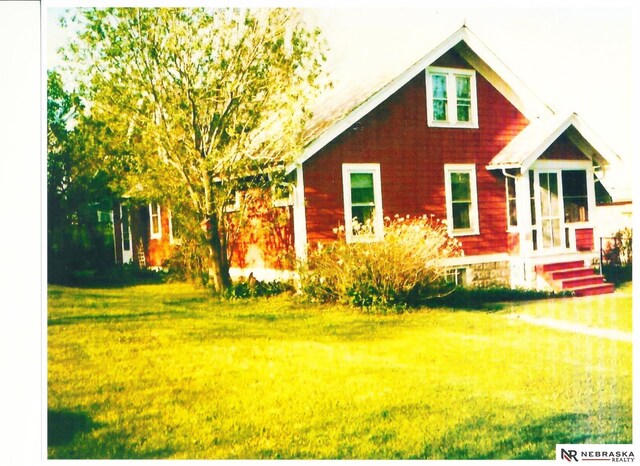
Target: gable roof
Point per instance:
(474, 52)
(531, 143)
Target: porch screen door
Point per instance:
(550, 210)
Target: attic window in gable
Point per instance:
(451, 98)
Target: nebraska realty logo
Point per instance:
(613, 453)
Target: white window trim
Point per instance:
(378, 223)
(473, 214)
(511, 228)
(155, 234)
(452, 101)
(299, 216)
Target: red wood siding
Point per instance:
(563, 149)
(159, 250)
(265, 238)
(412, 157)
(513, 241)
(584, 239)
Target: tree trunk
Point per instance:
(219, 272)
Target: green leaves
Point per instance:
(197, 96)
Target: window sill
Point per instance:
(464, 233)
(285, 203)
(444, 124)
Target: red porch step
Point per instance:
(558, 275)
(574, 276)
(591, 290)
(545, 268)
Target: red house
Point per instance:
(458, 136)
(143, 234)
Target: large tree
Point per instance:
(77, 187)
(195, 104)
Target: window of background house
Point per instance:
(232, 203)
(174, 229)
(574, 196)
(126, 232)
(155, 221)
(282, 194)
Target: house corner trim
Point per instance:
(299, 216)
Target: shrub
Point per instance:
(620, 251)
(256, 288)
(400, 270)
(188, 262)
(485, 298)
(618, 257)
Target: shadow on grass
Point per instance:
(111, 277)
(490, 299)
(64, 425)
(100, 318)
(69, 436)
(536, 440)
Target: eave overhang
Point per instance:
(523, 150)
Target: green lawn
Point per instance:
(164, 371)
(605, 311)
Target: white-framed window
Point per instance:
(125, 226)
(575, 197)
(362, 201)
(451, 98)
(282, 194)
(233, 203)
(512, 208)
(155, 221)
(457, 276)
(173, 237)
(462, 199)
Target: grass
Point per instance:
(164, 371)
(605, 311)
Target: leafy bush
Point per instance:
(188, 262)
(618, 257)
(620, 251)
(400, 270)
(256, 288)
(486, 297)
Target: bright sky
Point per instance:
(574, 58)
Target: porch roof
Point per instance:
(531, 143)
